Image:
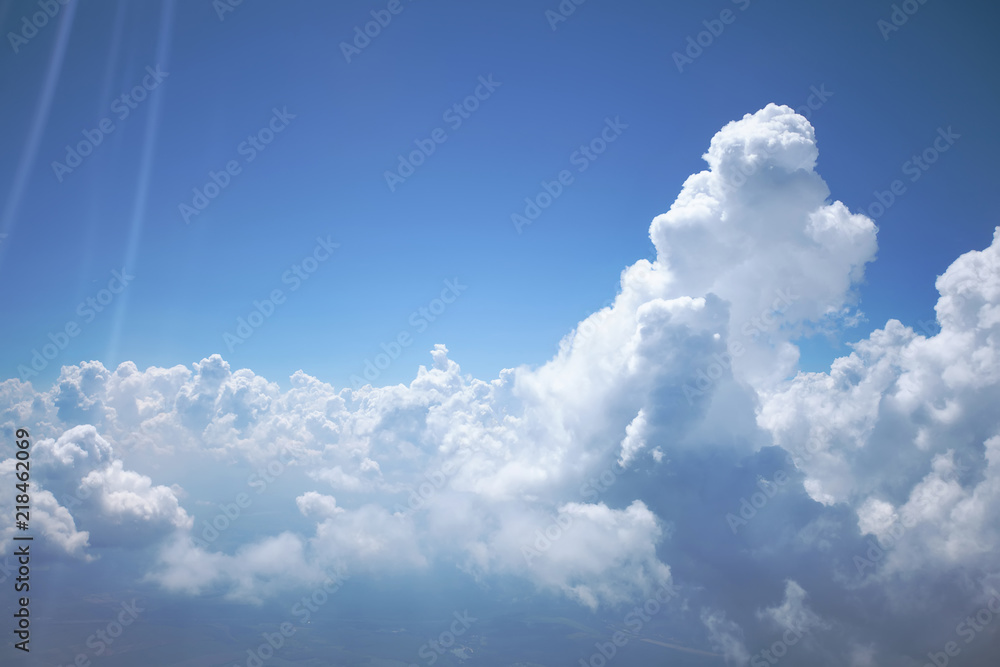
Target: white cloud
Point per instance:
(634, 440)
(56, 525)
(725, 636)
(125, 495)
(78, 446)
(896, 428)
(317, 504)
(752, 254)
(792, 614)
(368, 539)
(591, 552)
(256, 571)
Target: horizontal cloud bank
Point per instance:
(845, 518)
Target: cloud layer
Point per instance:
(670, 440)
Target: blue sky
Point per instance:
(534, 312)
(324, 175)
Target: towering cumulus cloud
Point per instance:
(841, 518)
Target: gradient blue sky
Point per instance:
(324, 174)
